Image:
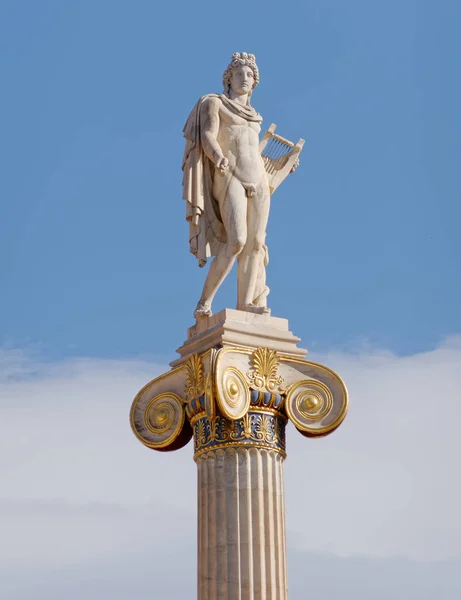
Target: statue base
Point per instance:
(231, 327)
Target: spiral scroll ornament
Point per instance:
(313, 409)
(195, 380)
(164, 418)
(232, 392)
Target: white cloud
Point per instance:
(77, 487)
(386, 482)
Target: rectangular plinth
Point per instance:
(231, 327)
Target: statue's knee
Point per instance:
(237, 246)
(258, 245)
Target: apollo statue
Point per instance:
(228, 179)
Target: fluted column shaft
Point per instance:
(241, 525)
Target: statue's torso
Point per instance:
(239, 141)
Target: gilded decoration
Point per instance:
(232, 391)
(255, 428)
(267, 400)
(311, 408)
(209, 402)
(264, 373)
(195, 407)
(195, 380)
(164, 419)
(237, 396)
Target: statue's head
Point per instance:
(242, 74)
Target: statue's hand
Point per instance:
(223, 165)
(295, 165)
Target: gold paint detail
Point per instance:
(313, 409)
(264, 373)
(161, 418)
(233, 389)
(233, 446)
(200, 433)
(254, 427)
(232, 393)
(209, 396)
(195, 382)
(233, 386)
(307, 406)
(164, 418)
(246, 429)
(310, 403)
(260, 409)
(315, 402)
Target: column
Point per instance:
(241, 520)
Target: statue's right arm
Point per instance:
(210, 128)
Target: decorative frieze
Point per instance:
(259, 429)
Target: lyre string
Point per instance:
(275, 155)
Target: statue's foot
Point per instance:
(203, 309)
(259, 310)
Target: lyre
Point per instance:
(279, 156)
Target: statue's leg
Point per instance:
(233, 207)
(251, 260)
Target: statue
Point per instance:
(227, 183)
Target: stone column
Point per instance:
(241, 518)
(239, 380)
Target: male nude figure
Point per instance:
(228, 128)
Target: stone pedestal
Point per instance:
(239, 379)
(243, 329)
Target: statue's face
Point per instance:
(242, 80)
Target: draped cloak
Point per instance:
(206, 230)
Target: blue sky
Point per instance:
(364, 239)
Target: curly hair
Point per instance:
(240, 59)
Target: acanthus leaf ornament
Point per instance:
(200, 433)
(263, 430)
(195, 380)
(264, 373)
(247, 426)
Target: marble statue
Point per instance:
(226, 185)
